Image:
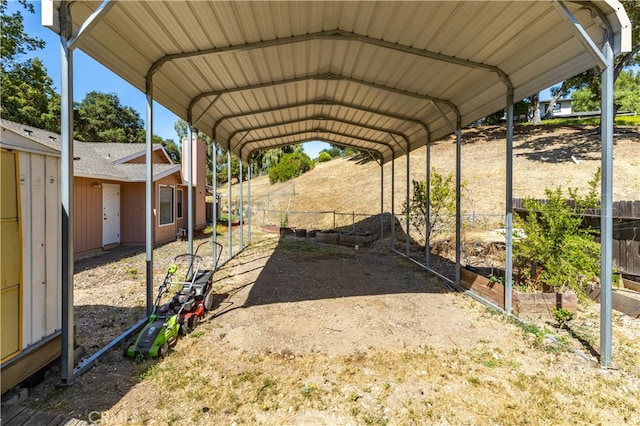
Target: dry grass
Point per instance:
(542, 159)
(396, 348)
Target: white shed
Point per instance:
(31, 289)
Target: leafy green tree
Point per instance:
(290, 166)
(27, 94)
(324, 156)
(442, 201)
(591, 78)
(100, 117)
(558, 250)
(15, 41)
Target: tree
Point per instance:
(15, 41)
(170, 146)
(442, 201)
(557, 250)
(26, 90)
(290, 166)
(100, 117)
(591, 78)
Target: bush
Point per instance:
(324, 156)
(290, 166)
(442, 200)
(558, 251)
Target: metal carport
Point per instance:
(385, 77)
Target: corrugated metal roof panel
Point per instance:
(392, 57)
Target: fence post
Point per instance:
(353, 221)
(334, 219)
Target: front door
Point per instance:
(110, 214)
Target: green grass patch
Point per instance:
(627, 120)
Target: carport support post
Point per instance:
(427, 222)
(381, 197)
(458, 196)
(509, 206)
(214, 212)
(606, 216)
(249, 161)
(241, 205)
(192, 130)
(393, 210)
(229, 231)
(66, 121)
(149, 216)
(408, 201)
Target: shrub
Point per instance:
(324, 156)
(290, 166)
(558, 251)
(442, 200)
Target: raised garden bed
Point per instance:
(622, 300)
(345, 239)
(525, 305)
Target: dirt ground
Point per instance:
(311, 333)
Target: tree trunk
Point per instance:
(552, 103)
(535, 102)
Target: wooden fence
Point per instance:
(626, 231)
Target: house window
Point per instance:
(179, 201)
(557, 107)
(166, 205)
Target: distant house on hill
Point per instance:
(562, 108)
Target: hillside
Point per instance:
(544, 157)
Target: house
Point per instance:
(562, 108)
(109, 210)
(109, 190)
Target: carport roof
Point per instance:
(385, 77)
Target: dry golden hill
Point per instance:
(544, 157)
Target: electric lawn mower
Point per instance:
(182, 312)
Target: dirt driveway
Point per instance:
(310, 333)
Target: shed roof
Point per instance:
(99, 160)
(382, 76)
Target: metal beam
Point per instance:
(332, 35)
(326, 77)
(241, 208)
(323, 118)
(458, 197)
(66, 175)
(291, 134)
(508, 273)
(580, 33)
(190, 143)
(322, 102)
(149, 199)
(606, 217)
(91, 22)
(214, 190)
(229, 229)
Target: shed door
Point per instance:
(11, 259)
(110, 214)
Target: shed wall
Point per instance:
(41, 235)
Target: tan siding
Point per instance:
(132, 212)
(199, 193)
(166, 232)
(87, 217)
(158, 158)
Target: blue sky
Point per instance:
(89, 76)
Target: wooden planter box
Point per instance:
(624, 301)
(328, 237)
(525, 305)
(345, 239)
